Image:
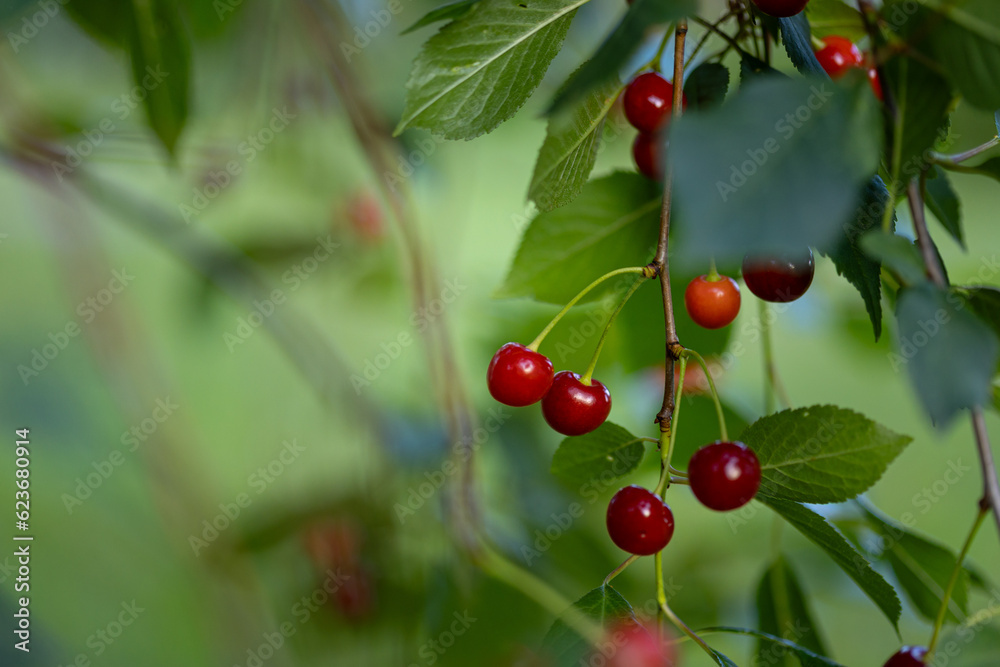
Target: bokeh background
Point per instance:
(171, 409)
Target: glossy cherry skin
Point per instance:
(781, 8)
(645, 153)
(908, 656)
(724, 475)
(573, 408)
(712, 304)
(839, 55)
(518, 376)
(639, 522)
(648, 102)
(875, 82)
(632, 645)
(779, 278)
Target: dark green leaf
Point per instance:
(944, 203)
(820, 454)
(782, 611)
(570, 149)
(604, 605)
(477, 71)
(922, 98)
(613, 223)
(106, 21)
(751, 68)
(950, 353)
(922, 567)
(778, 167)
(835, 17)
(706, 86)
(609, 450)
(778, 646)
(898, 254)
(857, 567)
(614, 52)
(448, 12)
(795, 34)
(984, 302)
(989, 168)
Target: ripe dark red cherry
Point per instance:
(839, 55)
(712, 303)
(724, 475)
(646, 155)
(573, 408)
(908, 656)
(639, 522)
(632, 645)
(518, 376)
(779, 278)
(781, 8)
(648, 102)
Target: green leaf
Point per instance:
(944, 203)
(768, 172)
(608, 450)
(706, 86)
(603, 605)
(570, 149)
(984, 302)
(751, 68)
(448, 12)
(834, 17)
(795, 35)
(820, 454)
(614, 52)
(989, 168)
(721, 659)
(858, 268)
(779, 647)
(107, 21)
(782, 611)
(976, 645)
(898, 254)
(613, 223)
(922, 98)
(161, 65)
(921, 566)
(996, 121)
(950, 353)
(857, 567)
(477, 71)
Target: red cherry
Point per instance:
(781, 8)
(839, 55)
(639, 522)
(645, 152)
(573, 408)
(779, 278)
(648, 102)
(632, 645)
(518, 376)
(908, 656)
(875, 82)
(724, 475)
(712, 304)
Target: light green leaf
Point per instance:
(603, 605)
(898, 254)
(477, 71)
(820, 454)
(857, 567)
(835, 17)
(613, 223)
(944, 203)
(570, 149)
(448, 12)
(782, 610)
(608, 450)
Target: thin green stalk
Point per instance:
(668, 612)
(621, 568)
(962, 157)
(715, 394)
(607, 327)
(555, 320)
(956, 571)
(667, 448)
(772, 383)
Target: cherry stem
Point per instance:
(956, 571)
(675, 619)
(655, 62)
(555, 320)
(772, 383)
(951, 160)
(817, 43)
(667, 447)
(708, 33)
(618, 570)
(715, 393)
(607, 327)
(927, 249)
(713, 273)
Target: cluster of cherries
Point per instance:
(648, 103)
(839, 55)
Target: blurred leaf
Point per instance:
(989, 168)
(996, 121)
(857, 567)
(612, 224)
(614, 52)
(857, 267)
(722, 660)
(834, 17)
(604, 605)
(922, 98)
(944, 203)
(161, 65)
(706, 86)
(570, 149)
(608, 450)
(448, 12)
(976, 645)
(898, 254)
(782, 610)
(922, 567)
(950, 353)
(821, 454)
(477, 71)
(806, 657)
(985, 302)
(751, 67)
(106, 21)
(795, 34)
(758, 178)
